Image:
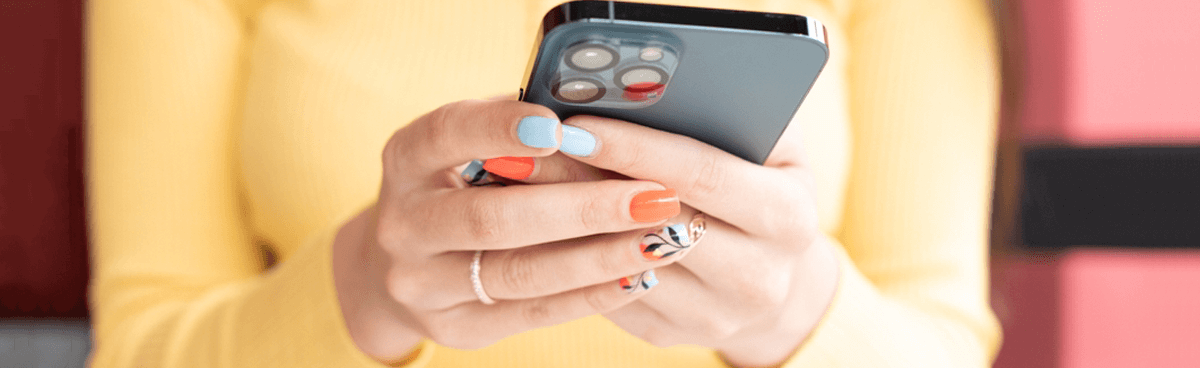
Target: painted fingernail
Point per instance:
(516, 168)
(641, 281)
(476, 176)
(474, 173)
(577, 142)
(653, 206)
(538, 131)
(669, 241)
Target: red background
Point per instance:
(43, 237)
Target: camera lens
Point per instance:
(651, 54)
(579, 90)
(591, 57)
(642, 77)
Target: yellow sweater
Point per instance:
(220, 128)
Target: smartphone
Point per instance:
(732, 79)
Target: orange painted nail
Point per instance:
(515, 168)
(654, 206)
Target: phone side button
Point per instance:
(520, 94)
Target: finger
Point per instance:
(694, 312)
(505, 97)
(639, 319)
(515, 316)
(474, 129)
(552, 268)
(721, 249)
(555, 168)
(520, 215)
(472, 174)
(746, 195)
(718, 257)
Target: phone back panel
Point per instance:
(734, 89)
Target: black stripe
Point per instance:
(1126, 196)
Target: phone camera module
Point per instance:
(590, 57)
(578, 90)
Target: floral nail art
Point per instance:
(641, 281)
(665, 243)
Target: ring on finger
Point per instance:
(697, 228)
(476, 283)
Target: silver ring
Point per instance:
(475, 283)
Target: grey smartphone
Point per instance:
(732, 79)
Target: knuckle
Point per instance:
(788, 217)
(393, 236)
(439, 126)
(391, 150)
(436, 122)
(404, 287)
(486, 220)
(612, 263)
(595, 213)
(784, 222)
(387, 237)
(597, 300)
(626, 160)
(518, 271)
(757, 297)
(708, 178)
(537, 313)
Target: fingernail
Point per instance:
(577, 142)
(669, 241)
(538, 131)
(653, 206)
(474, 173)
(641, 281)
(516, 168)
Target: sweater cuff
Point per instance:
(298, 320)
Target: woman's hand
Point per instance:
(762, 276)
(554, 253)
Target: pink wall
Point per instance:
(1099, 308)
(1102, 72)
(1130, 309)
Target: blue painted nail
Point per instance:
(639, 282)
(648, 280)
(577, 142)
(538, 131)
(474, 173)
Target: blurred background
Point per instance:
(1096, 222)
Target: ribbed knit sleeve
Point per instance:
(178, 280)
(913, 291)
